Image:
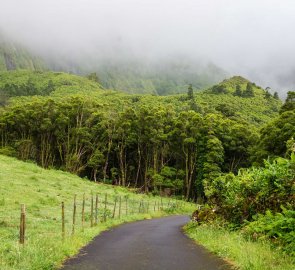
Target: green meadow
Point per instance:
(42, 191)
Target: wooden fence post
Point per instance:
(131, 206)
(105, 208)
(120, 207)
(74, 215)
(114, 210)
(96, 209)
(126, 206)
(63, 220)
(22, 227)
(83, 211)
(91, 214)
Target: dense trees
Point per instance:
(276, 136)
(26, 89)
(145, 144)
(261, 200)
(153, 143)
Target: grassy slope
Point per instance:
(43, 191)
(245, 254)
(63, 82)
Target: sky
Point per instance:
(253, 38)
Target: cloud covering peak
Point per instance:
(252, 38)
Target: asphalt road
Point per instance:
(156, 244)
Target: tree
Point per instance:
(3, 98)
(289, 103)
(267, 95)
(238, 92)
(49, 88)
(275, 135)
(214, 158)
(93, 77)
(30, 88)
(276, 95)
(249, 92)
(96, 161)
(219, 89)
(190, 92)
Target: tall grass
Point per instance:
(42, 191)
(243, 253)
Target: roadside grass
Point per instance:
(42, 191)
(243, 253)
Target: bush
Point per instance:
(254, 190)
(280, 227)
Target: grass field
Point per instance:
(243, 253)
(42, 191)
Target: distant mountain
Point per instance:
(163, 76)
(134, 75)
(14, 56)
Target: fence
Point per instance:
(82, 212)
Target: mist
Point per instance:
(251, 38)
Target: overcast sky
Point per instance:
(255, 38)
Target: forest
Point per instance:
(230, 146)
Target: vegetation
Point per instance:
(128, 140)
(42, 191)
(134, 75)
(200, 145)
(14, 56)
(277, 137)
(162, 77)
(239, 250)
(256, 205)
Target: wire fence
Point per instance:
(66, 218)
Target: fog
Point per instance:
(253, 38)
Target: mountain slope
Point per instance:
(27, 83)
(14, 56)
(258, 109)
(165, 77)
(128, 73)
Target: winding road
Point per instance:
(155, 244)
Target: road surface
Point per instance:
(155, 244)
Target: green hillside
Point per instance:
(257, 109)
(139, 140)
(42, 191)
(14, 56)
(199, 145)
(28, 83)
(129, 74)
(165, 77)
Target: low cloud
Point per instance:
(252, 38)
